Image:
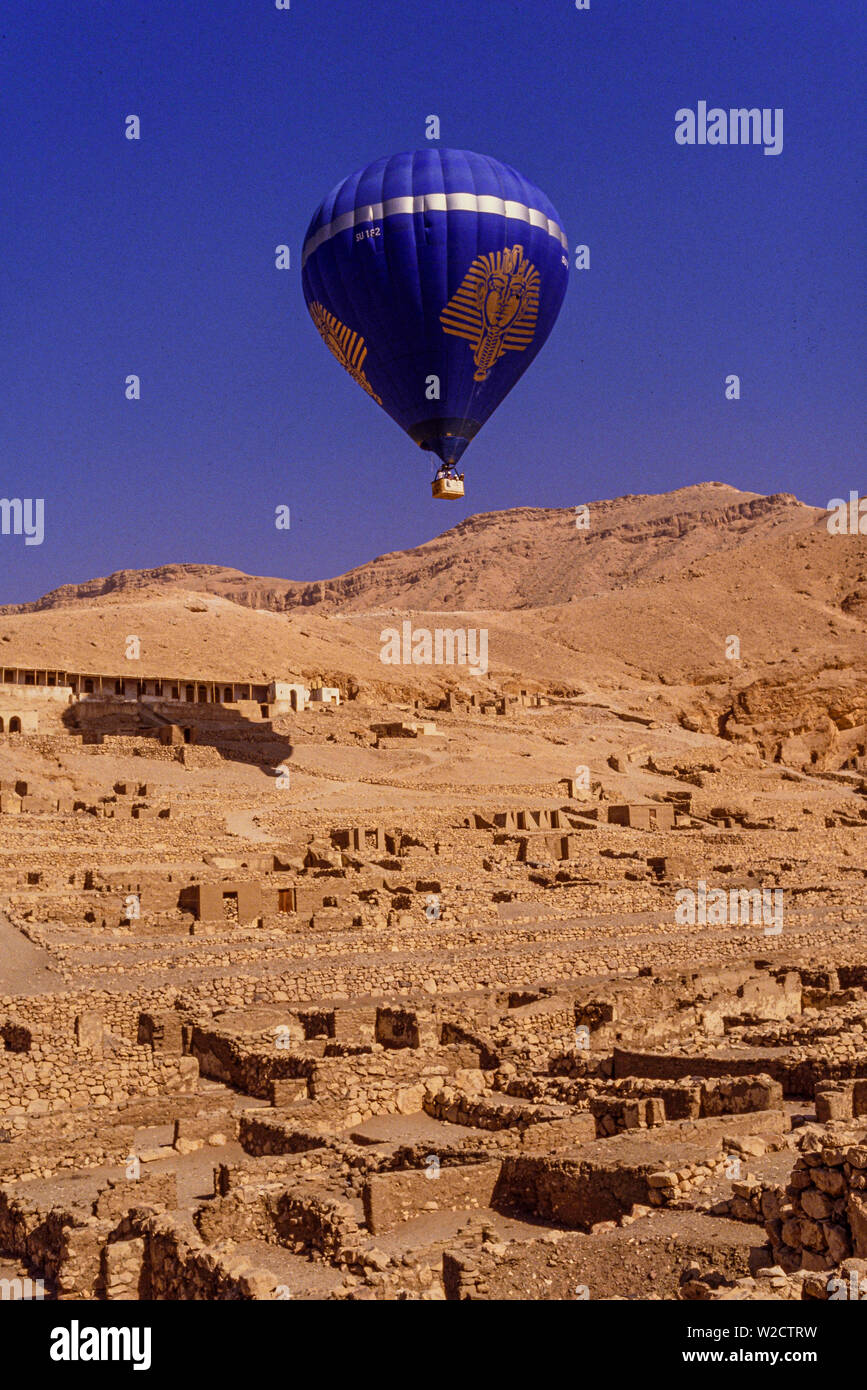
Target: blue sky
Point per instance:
(156, 257)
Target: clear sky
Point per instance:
(156, 257)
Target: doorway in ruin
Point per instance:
(285, 899)
(230, 907)
(15, 725)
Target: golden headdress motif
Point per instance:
(348, 347)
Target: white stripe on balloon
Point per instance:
(433, 202)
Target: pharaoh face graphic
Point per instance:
(495, 307)
(500, 302)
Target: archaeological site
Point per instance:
(324, 978)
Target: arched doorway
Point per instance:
(15, 725)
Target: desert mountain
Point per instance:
(523, 558)
(639, 606)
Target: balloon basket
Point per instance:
(448, 489)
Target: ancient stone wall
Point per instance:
(43, 1082)
(392, 1198)
(824, 1216)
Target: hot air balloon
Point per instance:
(434, 277)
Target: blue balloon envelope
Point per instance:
(434, 277)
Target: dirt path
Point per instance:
(243, 823)
(24, 968)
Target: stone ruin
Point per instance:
(460, 1049)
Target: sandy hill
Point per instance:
(646, 597)
(523, 558)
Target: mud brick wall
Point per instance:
(157, 1190)
(346, 1091)
(804, 1075)
(72, 907)
(43, 1085)
(740, 1095)
(670, 1185)
(571, 1192)
(355, 1026)
(301, 1221)
(678, 1066)
(288, 1091)
(596, 1184)
(489, 1112)
(718, 1095)
(699, 1004)
(261, 1135)
(282, 1168)
(640, 1102)
(483, 1046)
(240, 1215)
(461, 1275)
(53, 1015)
(844, 1102)
(383, 1082)
(249, 1065)
(798, 1075)
(307, 1221)
(461, 971)
(64, 1245)
(123, 1273)
(87, 1139)
(754, 1200)
(392, 1198)
(180, 1266)
(613, 1114)
(39, 1154)
(538, 1025)
(78, 1272)
(824, 1219)
(556, 1135)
